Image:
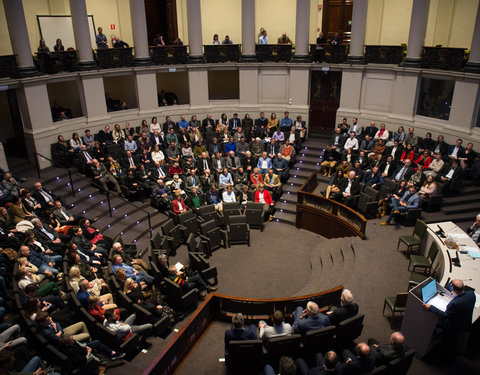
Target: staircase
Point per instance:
(307, 161)
(461, 209)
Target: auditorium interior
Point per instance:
(369, 64)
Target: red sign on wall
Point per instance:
(112, 26)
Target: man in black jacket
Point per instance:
(347, 308)
(348, 189)
(451, 178)
(385, 353)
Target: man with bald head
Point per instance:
(362, 363)
(327, 365)
(385, 353)
(308, 319)
(349, 187)
(457, 317)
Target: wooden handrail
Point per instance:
(180, 345)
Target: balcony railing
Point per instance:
(55, 62)
(222, 53)
(274, 52)
(384, 54)
(329, 54)
(169, 55)
(444, 58)
(114, 57)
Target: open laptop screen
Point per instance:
(428, 291)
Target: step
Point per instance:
(461, 199)
(348, 254)
(337, 275)
(316, 147)
(288, 198)
(310, 157)
(305, 167)
(434, 217)
(288, 207)
(461, 208)
(308, 163)
(301, 172)
(284, 217)
(288, 188)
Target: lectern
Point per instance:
(419, 324)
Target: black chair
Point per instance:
(189, 220)
(197, 245)
(318, 340)
(177, 299)
(389, 183)
(198, 263)
(160, 325)
(226, 214)
(254, 214)
(367, 206)
(213, 235)
(284, 345)
(207, 213)
(238, 230)
(400, 366)
(174, 232)
(244, 356)
(349, 330)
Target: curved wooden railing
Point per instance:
(221, 307)
(326, 216)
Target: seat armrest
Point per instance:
(210, 273)
(190, 298)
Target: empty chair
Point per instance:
(415, 279)
(213, 235)
(395, 304)
(349, 330)
(231, 205)
(174, 232)
(389, 183)
(197, 245)
(416, 239)
(318, 340)
(238, 230)
(400, 366)
(226, 214)
(284, 345)
(244, 356)
(189, 220)
(200, 264)
(254, 214)
(367, 206)
(426, 263)
(208, 213)
(160, 325)
(177, 299)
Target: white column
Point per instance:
(418, 29)
(302, 25)
(139, 30)
(248, 29)
(17, 28)
(194, 18)
(359, 25)
(81, 32)
(473, 63)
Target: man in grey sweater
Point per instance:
(280, 328)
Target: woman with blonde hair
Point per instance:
(75, 278)
(133, 290)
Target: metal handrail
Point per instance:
(107, 192)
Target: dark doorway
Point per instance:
(324, 99)
(14, 142)
(161, 16)
(337, 17)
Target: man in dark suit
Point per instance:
(371, 130)
(129, 161)
(348, 189)
(168, 124)
(42, 196)
(327, 365)
(404, 171)
(456, 151)
(385, 353)
(261, 125)
(105, 137)
(47, 236)
(440, 147)
(457, 318)
(159, 172)
(234, 123)
(388, 166)
(63, 216)
(238, 332)
(347, 308)
(337, 141)
(308, 319)
(204, 163)
(208, 124)
(362, 363)
(85, 157)
(396, 150)
(215, 147)
(451, 178)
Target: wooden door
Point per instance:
(324, 99)
(337, 17)
(161, 17)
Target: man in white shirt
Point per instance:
(351, 142)
(356, 127)
(263, 39)
(280, 328)
(228, 195)
(122, 329)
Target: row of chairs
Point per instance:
(253, 354)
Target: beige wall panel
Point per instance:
(404, 95)
(94, 94)
(124, 27)
(277, 17)
(146, 87)
(463, 104)
(198, 84)
(5, 45)
(223, 18)
(315, 20)
(463, 22)
(395, 22)
(248, 78)
(374, 22)
(351, 90)
(36, 96)
(377, 91)
(439, 22)
(299, 86)
(273, 86)
(32, 8)
(182, 23)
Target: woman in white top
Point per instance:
(118, 134)
(157, 154)
(382, 133)
(155, 125)
(76, 142)
(215, 39)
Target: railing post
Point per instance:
(149, 224)
(37, 164)
(71, 182)
(109, 204)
